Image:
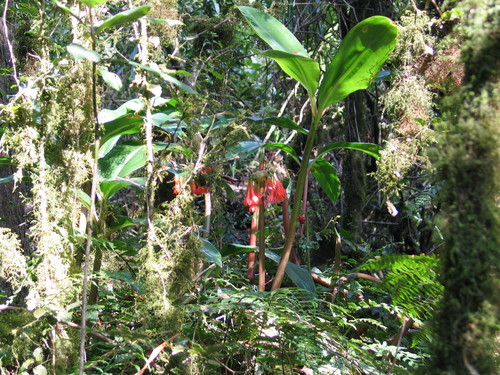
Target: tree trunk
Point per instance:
(469, 163)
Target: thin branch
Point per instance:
(155, 354)
(9, 44)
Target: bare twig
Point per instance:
(155, 354)
(9, 44)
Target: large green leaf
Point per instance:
(110, 187)
(242, 149)
(121, 18)
(289, 150)
(82, 53)
(122, 160)
(112, 79)
(127, 124)
(210, 251)
(327, 178)
(368, 148)
(273, 32)
(303, 69)
(93, 3)
(358, 60)
(299, 276)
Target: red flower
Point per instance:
(276, 193)
(197, 190)
(302, 219)
(253, 196)
(177, 184)
(271, 190)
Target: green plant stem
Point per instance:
(90, 212)
(262, 246)
(297, 199)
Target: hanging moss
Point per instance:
(409, 105)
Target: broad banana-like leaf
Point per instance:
(79, 53)
(358, 60)
(273, 32)
(303, 69)
(287, 51)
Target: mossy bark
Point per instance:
(469, 162)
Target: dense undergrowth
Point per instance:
(197, 210)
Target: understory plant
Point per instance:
(355, 65)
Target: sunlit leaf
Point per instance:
(358, 60)
(289, 150)
(127, 124)
(121, 18)
(112, 79)
(93, 3)
(300, 276)
(170, 23)
(134, 105)
(166, 77)
(327, 178)
(122, 160)
(273, 32)
(5, 161)
(82, 53)
(110, 187)
(303, 69)
(368, 148)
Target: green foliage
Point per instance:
(411, 281)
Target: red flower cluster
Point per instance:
(196, 187)
(269, 189)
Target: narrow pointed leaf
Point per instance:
(6, 179)
(282, 122)
(290, 151)
(302, 68)
(5, 161)
(80, 53)
(211, 253)
(300, 276)
(164, 76)
(121, 18)
(272, 31)
(368, 148)
(327, 178)
(358, 60)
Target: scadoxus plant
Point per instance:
(357, 62)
